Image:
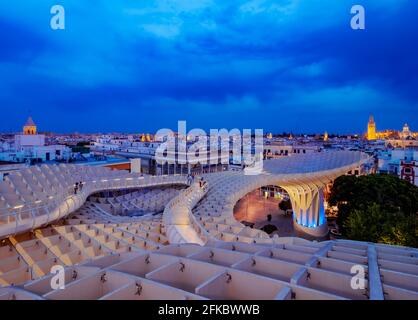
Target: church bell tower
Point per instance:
(371, 129)
(30, 127)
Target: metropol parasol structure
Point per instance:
(191, 246)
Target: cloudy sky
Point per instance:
(141, 65)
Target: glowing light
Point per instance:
(371, 129)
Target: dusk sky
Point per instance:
(141, 65)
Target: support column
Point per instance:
(308, 210)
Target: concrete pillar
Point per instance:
(136, 165)
(308, 210)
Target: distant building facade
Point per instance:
(141, 148)
(277, 150)
(400, 162)
(30, 146)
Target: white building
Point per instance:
(400, 162)
(279, 149)
(30, 146)
(146, 151)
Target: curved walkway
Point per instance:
(139, 263)
(302, 176)
(28, 216)
(180, 224)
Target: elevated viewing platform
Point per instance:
(302, 176)
(186, 244)
(39, 195)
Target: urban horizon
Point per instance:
(138, 131)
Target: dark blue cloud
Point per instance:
(136, 66)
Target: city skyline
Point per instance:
(363, 134)
(140, 68)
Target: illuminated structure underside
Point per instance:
(195, 249)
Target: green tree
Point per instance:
(378, 208)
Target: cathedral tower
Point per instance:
(371, 129)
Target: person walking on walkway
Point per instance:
(202, 182)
